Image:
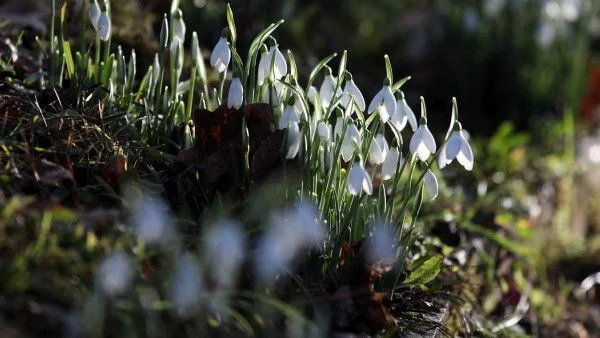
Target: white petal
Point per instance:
(398, 120)
(236, 94)
(104, 27)
(179, 28)
(339, 127)
(431, 184)
(377, 150)
(351, 141)
(377, 100)
(293, 140)
(280, 66)
(94, 13)
(428, 140)
(453, 145)
(221, 56)
(312, 94)
(263, 68)
(416, 140)
(409, 114)
(352, 91)
(327, 89)
(464, 161)
(389, 103)
(323, 129)
(289, 116)
(422, 152)
(390, 164)
(443, 159)
(355, 179)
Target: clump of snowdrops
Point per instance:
(359, 177)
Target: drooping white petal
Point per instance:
(351, 141)
(384, 101)
(221, 55)
(453, 145)
(422, 143)
(443, 159)
(431, 184)
(405, 110)
(398, 120)
(289, 116)
(104, 27)
(378, 150)
(358, 179)
(236, 94)
(272, 93)
(263, 68)
(457, 147)
(94, 13)
(390, 164)
(324, 132)
(294, 139)
(326, 92)
(351, 91)
(280, 65)
(465, 156)
(339, 128)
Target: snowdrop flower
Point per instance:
(431, 184)
(94, 13)
(324, 132)
(150, 220)
(384, 101)
(221, 55)
(264, 65)
(178, 25)
(358, 179)
(236, 94)
(422, 142)
(177, 55)
(457, 147)
(352, 140)
(351, 91)
(403, 114)
(115, 274)
(378, 150)
(273, 92)
(390, 164)
(327, 92)
(225, 250)
(293, 140)
(186, 286)
(288, 117)
(104, 26)
(339, 127)
(287, 233)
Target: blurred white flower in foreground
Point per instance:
(380, 247)
(186, 286)
(359, 180)
(225, 249)
(151, 220)
(115, 274)
(221, 55)
(287, 233)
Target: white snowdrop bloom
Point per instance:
(326, 92)
(359, 180)
(404, 114)
(151, 220)
(274, 91)
(351, 141)
(312, 95)
(293, 138)
(384, 102)
(221, 55)
(431, 184)
(104, 27)
(390, 164)
(156, 68)
(378, 150)
(186, 286)
(457, 147)
(324, 132)
(351, 91)
(422, 143)
(178, 25)
(115, 274)
(339, 127)
(287, 233)
(263, 67)
(288, 117)
(280, 66)
(94, 12)
(176, 52)
(225, 249)
(236, 94)
(380, 247)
